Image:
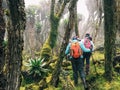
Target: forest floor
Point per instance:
(95, 80)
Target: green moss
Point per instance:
(26, 81)
(96, 82)
(54, 31)
(5, 42)
(46, 50)
(6, 12)
(102, 84)
(22, 88)
(53, 37)
(35, 87)
(37, 53)
(98, 55)
(32, 87)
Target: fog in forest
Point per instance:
(90, 20)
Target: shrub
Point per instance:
(36, 68)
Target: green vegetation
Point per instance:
(34, 72)
(38, 26)
(46, 50)
(5, 42)
(36, 68)
(96, 81)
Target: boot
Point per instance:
(85, 84)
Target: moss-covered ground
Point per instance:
(95, 79)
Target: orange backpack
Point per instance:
(75, 50)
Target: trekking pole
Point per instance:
(94, 64)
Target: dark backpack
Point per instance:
(75, 50)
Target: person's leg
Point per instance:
(80, 67)
(75, 73)
(84, 61)
(82, 73)
(88, 63)
(84, 58)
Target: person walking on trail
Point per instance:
(74, 51)
(86, 55)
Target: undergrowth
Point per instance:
(95, 80)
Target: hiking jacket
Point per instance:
(67, 51)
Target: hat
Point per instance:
(75, 38)
(87, 35)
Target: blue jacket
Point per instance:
(67, 51)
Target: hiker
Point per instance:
(86, 55)
(74, 51)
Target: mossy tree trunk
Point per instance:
(15, 43)
(55, 16)
(118, 12)
(118, 15)
(76, 21)
(116, 23)
(110, 36)
(71, 24)
(2, 59)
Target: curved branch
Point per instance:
(59, 14)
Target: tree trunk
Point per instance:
(117, 22)
(110, 36)
(15, 43)
(2, 59)
(56, 73)
(118, 15)
(54, 21)
(76, 21)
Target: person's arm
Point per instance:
(83, 47)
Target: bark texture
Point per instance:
(110, 36)
(71, 24)
(76, 21)
(2, 59)
(15, 43)
(55, 16)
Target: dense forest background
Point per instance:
(33, 39)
